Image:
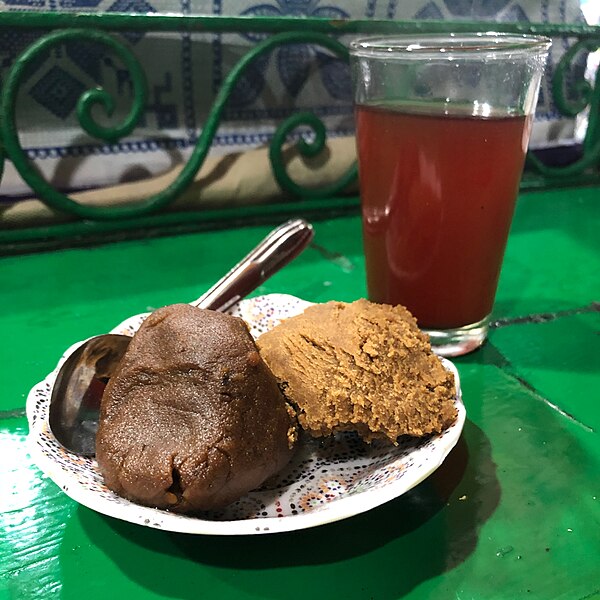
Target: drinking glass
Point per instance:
(442, 126)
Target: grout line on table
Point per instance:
(12, 414)
(553, 406)
(593, 594)
(335, 257)
(507, 367)
(545, 317)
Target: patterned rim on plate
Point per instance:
(327, 480)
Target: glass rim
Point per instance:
(448, 46)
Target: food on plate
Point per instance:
(361, 367)
(193, 418)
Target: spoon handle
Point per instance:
(280, 247)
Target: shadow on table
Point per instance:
(385, 552)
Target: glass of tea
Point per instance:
(442, 128)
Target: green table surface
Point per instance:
(514, 512)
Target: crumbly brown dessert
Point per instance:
(361, 367)
(193, 418)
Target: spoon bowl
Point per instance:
(77, 392)
(75, 401)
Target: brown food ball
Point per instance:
(361, 367)
(193, 418)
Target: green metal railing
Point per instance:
(150, 213)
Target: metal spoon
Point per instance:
(75, 400)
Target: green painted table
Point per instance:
(514, 512)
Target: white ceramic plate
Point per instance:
(327, 480)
